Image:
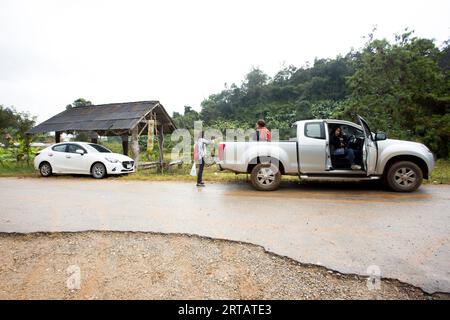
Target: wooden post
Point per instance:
(94, 137)
(57, 137)
(125, 144)
(27, 147)
(161, 147)
(135, 144)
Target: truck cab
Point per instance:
(317, 155)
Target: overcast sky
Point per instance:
(179, 52)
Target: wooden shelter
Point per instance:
(113, 119)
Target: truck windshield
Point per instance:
(351, 130)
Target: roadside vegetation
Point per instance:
(441, 173)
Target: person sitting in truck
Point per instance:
(341, 147)
(262, 133)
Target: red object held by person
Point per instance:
(195, 152)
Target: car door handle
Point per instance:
(68, 157)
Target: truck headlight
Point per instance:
(112, 160)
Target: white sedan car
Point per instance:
(82, 158)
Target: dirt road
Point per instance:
(348, 228)
(124, 265)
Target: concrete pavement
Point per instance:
(351, 228)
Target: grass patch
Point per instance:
(441, 172)
(17, 170)
(210, 174)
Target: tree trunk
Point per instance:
(27, 147)
(135, 144)
(161, 148)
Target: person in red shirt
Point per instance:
(262, 133)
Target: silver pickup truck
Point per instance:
(401, 164)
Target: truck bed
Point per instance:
(237, 155)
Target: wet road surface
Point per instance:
(350, 228)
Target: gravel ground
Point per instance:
(125, 265)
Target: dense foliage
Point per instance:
(401, 87)
(13, 128)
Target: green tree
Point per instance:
(14, 124)
(401, 89)
(187, 119)
(13, 128)
(80, 102)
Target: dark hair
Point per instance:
(261, 123)
(340, 130)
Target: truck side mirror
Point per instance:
(380, 136)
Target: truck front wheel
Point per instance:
(404, 176)
(266, 177)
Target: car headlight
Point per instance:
(112, 160)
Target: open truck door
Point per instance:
(370, 148)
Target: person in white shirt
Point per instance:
(201, 147)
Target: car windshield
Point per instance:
(99, 148)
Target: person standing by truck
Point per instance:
(262, 133)
(200, 150)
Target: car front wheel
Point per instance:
(98, 170)
(404, 176)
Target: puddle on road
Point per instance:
(337, 193)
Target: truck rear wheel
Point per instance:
(404, 176)
(266, 177)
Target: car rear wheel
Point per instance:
(266, 177)
(404, 176)
(98, 170)
(45, 169)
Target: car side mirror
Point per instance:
(380, 136)
(79, 151)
